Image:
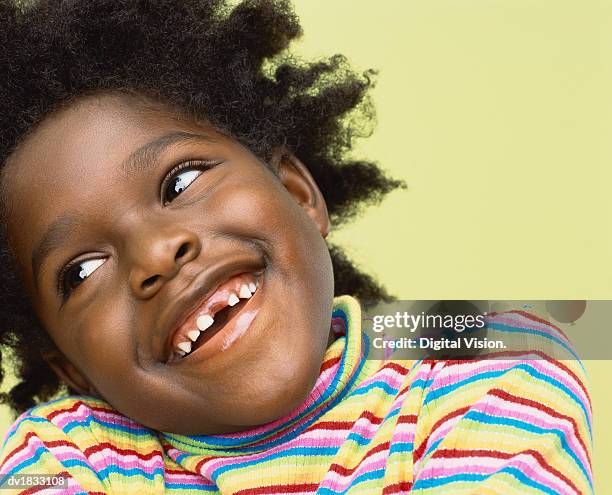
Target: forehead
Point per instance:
(89, 135)
(75, 155)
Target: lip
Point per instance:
(188, 300)
(231, 331)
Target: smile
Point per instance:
(219, 320)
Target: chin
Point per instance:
(280, 396)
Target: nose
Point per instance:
(158, 256)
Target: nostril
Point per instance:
(149, 281)
(182, 250)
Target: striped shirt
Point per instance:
(503, 426)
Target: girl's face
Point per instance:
(133, 228)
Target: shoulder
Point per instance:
(77, 424)
(81, 414)
(86, 441)
(520, 413)
(539, 367)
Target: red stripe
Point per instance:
(401, 487)
(455, 362)
(420, 450)
(331, 425)
(186, 473)
(64, 474)
(79, 403)
(537, 319)
(87, 452)
(47, 443)
(321, 425)
(344, 471)
(496, 454)
(444, 419)
(407, 419)
(375, 420)
(329, 363)
(395, 366)
(274, 489)
(105, 445)
(502, 394)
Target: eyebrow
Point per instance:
(140, 159)
(52, 239)
(148, 154)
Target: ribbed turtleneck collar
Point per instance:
(340, 368)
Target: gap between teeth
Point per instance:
(205, 321)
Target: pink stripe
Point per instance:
(192, 479)
(520, 321)
(537, 417)
(302, 441)
(531, 469)
(389, 375)
(456, 373)
(82, 414)
(337, 482)
(452, 376)
(442, 430)
(29, 449)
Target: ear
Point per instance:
(297, 180)
(68, 373)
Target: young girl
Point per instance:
(169, 177)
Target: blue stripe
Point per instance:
(24, 420)
(471, 478)
(401, 447)
(376, 384)
(36, 457)
(369, 476)
(432, 447)
(111, 426)
(522, 425)
(112, 469)
(292, 452)
(358, 439)
(422, 384)
(189, 486)
(512, 329)
(525, 366)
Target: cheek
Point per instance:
(103, 343)
(263, 209)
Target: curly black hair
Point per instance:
(208, 59)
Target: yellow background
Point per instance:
(498, 114)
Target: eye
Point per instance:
(75, 274)
(181, 177)
(179, 183)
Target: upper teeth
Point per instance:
(185, 346)
(205, 321)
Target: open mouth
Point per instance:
(224, 313)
